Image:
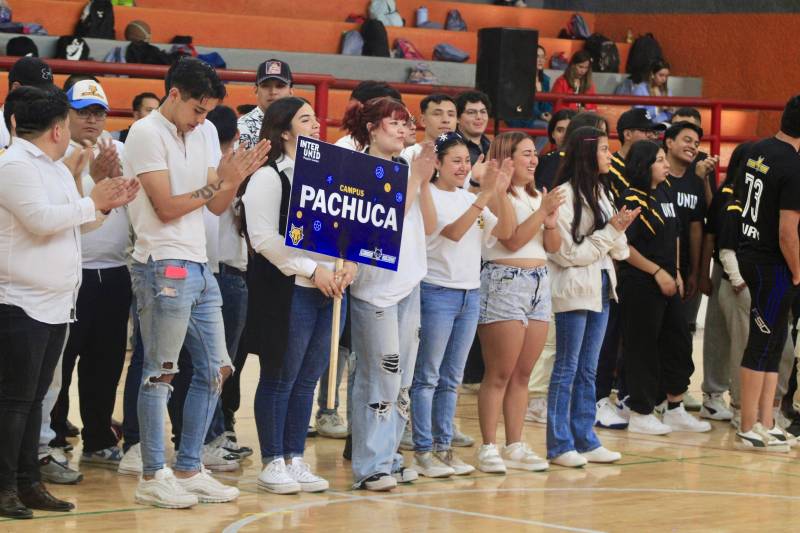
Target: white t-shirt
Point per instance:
(232, 246)
(347, 142)
(154, 144)
(524, 206)
(211, 220)
(106, 246)
(457, 265)
(5, 135)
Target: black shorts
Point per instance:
(771, 296)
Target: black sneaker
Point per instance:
(61, 442)
(311, 432)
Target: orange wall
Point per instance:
(741, 56)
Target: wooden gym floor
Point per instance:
(682, 482)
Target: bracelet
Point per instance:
(657, 271)
(474, 183)
(549, 227)
(476, 206)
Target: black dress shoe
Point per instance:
(11, 507)
(37, 497)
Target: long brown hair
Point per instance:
(503, 146)
(581, 56)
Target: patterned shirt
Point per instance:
(250, 127)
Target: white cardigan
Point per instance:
(576, 269)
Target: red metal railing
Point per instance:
(323, 83)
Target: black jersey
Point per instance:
(547, 169)
(771, 183)
(655, 231)
(715, 215)
(689, 195)
(617, 183)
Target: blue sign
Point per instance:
(346, 204)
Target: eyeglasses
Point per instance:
(476, 112)
(97, 114)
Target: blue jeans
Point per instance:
(178, 303)
(233, 289)
(133, 380)
(571, 397)
(285, 395)
(449, 321)
(385, 341)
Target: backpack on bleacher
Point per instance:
(352, 43)
(376, 40)
(386, 12)
(644, 50)
(405, 49)
(97, 20)
(72, 48)
(577, 28)
(605, 55)
(454, 21)
(448, 52)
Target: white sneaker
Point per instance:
(759, 440)
(276, 479)
(451, 459)
(207, 489)
(715, 407)
(679, 420)
(602, 455)
(405, 475)
(131, 464)
(537, 411)
(428, 465)
(736, 419)
(299, 470)
(226, 442)
(331, 425)
(570, 459)
(407, 441)
(780, 418)
(608, 416)
(489, 460)
(218, 459)
(379, 483)
(691, 403)
(661, 408)
(623, 410)
(647, 425)
(518, 455)
(164, 491)
(782, 435)
(461, 440)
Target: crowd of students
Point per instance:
(182, 227)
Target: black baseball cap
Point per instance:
(274, 69)
(31, 71)
(637, 118)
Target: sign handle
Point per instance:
(334, 360)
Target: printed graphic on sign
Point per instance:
(346, 204)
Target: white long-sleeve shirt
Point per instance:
(40, 235)
(262, 203)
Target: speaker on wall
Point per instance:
(506, 70)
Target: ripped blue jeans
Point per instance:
(385, 340)
(178, 301)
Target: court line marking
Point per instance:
(347, 498)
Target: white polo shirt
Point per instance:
(154, 144)
(40, 236)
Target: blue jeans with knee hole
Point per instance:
(385, 340)
(285, 395)
(178, 303)
(571, 396)
(449, 320)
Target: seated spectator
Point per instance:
(577, 79)
(542, 111)
(143, 105)
(657, 84)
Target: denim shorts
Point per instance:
(512, 293)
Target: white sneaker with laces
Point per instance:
(518, 455)
(489, 460)
(461, 440)
(780, 418)
(276, 479)
(782, 435)
(715, 407)
(299, 470)
(759, 440)
(679, 420)
(608, 416)
(131, 464)
(660, 409)
(331, 425)
(602, 455)
(690, 402)
(570, 459)
(451, 459)
(537, 411)
(207, 489)
(429, 465)
(164, 491)
(218, 459)
(647, 424)
(623, 410)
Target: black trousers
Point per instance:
(656, 343)
(474, 369)
(97, 341)
(29, 352)
(610, 367)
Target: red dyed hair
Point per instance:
(358, 115)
